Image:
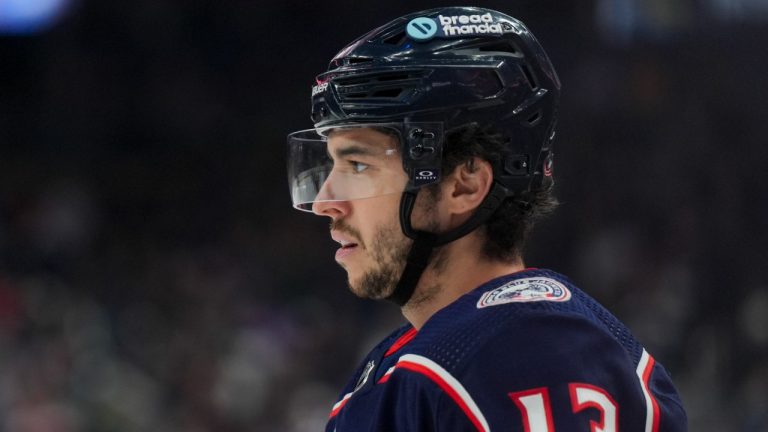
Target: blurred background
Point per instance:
(154, 277)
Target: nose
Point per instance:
(326, 204)
(333, 209)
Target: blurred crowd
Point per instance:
(153, 276)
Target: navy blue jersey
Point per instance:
(524, 352)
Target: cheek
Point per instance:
(376, 214)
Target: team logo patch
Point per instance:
(526, 290)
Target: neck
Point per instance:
(455, 270)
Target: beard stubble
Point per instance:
(388, 250)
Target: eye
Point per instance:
(358, 167)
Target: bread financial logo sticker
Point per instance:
(422, 29)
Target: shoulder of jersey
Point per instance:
(525, 290)
(539, 305)
(509, 299)
(484, 315)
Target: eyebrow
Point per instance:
(353, 150)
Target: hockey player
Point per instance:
(431, 153)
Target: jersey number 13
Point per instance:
(536, 409)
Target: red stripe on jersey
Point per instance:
(386, 376)
(437, 379)
(401, 342)
(646, 382)
(339, 405)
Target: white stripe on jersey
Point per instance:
(469, 407)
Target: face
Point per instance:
(362, 198)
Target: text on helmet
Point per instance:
(469, 24)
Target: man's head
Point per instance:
(432, 97)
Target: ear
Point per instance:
(467, 187)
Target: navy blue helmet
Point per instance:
(452, 66)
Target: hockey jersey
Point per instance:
(524, 352)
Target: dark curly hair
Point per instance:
(507, 229)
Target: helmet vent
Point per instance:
(379, 86)
(394, 77)
(529, 76)
(533, 119)
(395, 39)
(357, 60)
(501, 46)
(388, 93)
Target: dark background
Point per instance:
(154, 277)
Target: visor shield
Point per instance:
(344, 163)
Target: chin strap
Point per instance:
(425, 242)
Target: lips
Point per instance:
(345, 251)
(348, 246)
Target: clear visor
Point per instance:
(345, 163)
